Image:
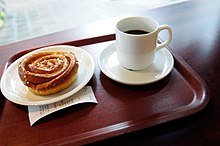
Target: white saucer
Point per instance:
(14, 90)
(161, 67)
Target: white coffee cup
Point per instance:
(137, 51)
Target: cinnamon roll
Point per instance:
(47, 73)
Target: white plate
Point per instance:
(14, 90)
(161, 67)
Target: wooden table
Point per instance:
(196, 42)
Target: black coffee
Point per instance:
(136, 32)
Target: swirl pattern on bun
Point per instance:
(47, 73)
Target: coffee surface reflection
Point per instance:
(136, 32)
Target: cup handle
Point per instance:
(168, 41)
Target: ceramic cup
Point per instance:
(136, 41)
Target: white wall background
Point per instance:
(30, 18)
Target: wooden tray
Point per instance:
(121, 108)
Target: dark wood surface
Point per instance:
(196, 39)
